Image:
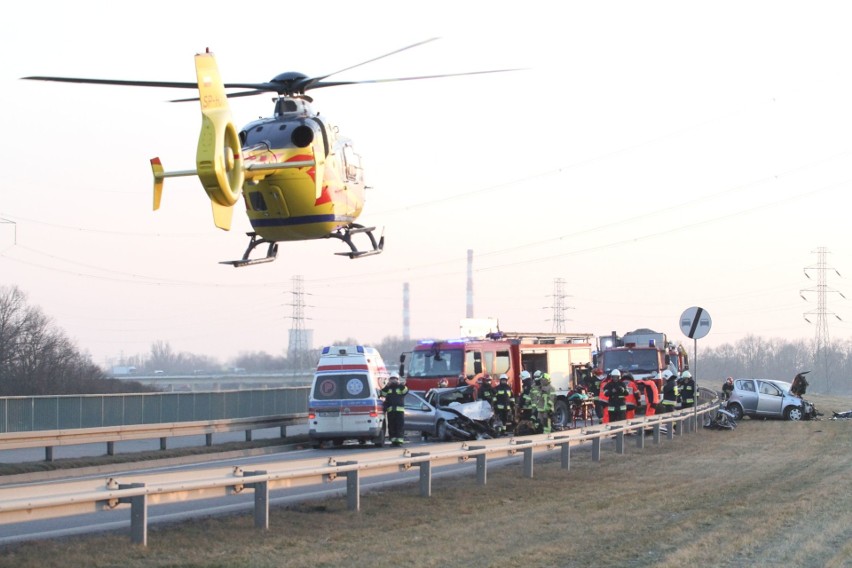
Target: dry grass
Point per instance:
(769, 493)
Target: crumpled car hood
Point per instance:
(477, 410)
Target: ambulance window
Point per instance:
(339, 387)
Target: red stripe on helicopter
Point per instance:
(325, 196)
(312, 171)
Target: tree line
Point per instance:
(36, 357)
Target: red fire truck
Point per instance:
(644, 353)
(566, 357)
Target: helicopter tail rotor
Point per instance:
(159, 175)
(219, 159)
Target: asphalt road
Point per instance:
(119, 519)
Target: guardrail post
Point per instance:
(248, 435)
(566, 455)
(528, 456)
(640, 437)
(261, 500)
(481, 466)
(48, 453)
(670, 430)
(138, 514)
(619, 442)
(596, 450)
(208, 439)
(164, 445)
(681, 426)
(425, 475)
(657, 434)
(353, 487)
(110, 448)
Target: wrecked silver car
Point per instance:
(768, 399)
(450, 414)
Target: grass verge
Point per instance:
(766, 494)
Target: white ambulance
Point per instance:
(344, 403)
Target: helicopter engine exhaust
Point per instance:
(303, 136)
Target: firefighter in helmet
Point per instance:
(394, 406)
(671, 392)
(687, 390)
(503, 402)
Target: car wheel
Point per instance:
(442, 431)
(561, 414)
(794, 413)
(380, 439)
(736, 410)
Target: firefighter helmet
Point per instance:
(686, 375)
(667, 375)
(615, 373)
(504, 377)
(394, 377)
(537, 375)
(525, 375)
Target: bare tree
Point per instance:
(36, 357)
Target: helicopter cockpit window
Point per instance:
(285, 105)
(258, 203)
(353, 163)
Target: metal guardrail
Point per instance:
(35, 413)
(53, 500)
(48, 439)
(49, 421)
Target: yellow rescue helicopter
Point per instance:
(299, 178)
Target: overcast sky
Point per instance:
(655, 156)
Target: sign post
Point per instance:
(695, 323)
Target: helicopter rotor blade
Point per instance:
(177, 85)
(229, 95)
(340, 83)
(314, 80)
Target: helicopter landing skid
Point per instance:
(271, 253)
(345, 235)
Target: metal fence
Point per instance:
(68, 412)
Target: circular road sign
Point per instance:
(695, 322)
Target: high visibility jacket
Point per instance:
(542, 398)
(597, 384)
(525, 399)
(670, 392)
(487, 393)
(616, 394)
(503, 397)
(602, 392)
(632, 398)
(687, 392)
(652, 394)
(394, 396)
